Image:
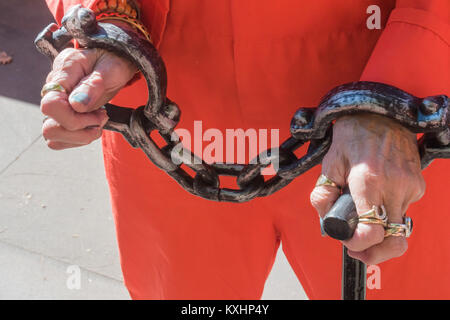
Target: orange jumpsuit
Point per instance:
(251, 64)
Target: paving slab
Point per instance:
(57, 204)
(20, 128)
(26, 275)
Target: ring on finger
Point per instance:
(399, 229)
(376, 215)
(323, 180)
(52, 86)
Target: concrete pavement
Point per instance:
(54, 206)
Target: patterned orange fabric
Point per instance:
(251, 64)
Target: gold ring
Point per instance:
(52, 86)
(325, 181)
(376, 215)
(399, 229)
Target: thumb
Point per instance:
(110, 74)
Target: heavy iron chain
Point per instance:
(314, 125)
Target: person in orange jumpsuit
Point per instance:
(251, 64)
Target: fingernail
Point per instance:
(80, 97)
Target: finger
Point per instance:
(55, 145)
(87, 94)
(391, 247)
(323, 197)
(55, 105)
(53, 132)
(365, 188)
(417, 191)
(108, 76)
(394, 209)
(71, 65)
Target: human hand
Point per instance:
(378, 159)
(91, 78)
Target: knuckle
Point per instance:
(48, 132)
(53, 145)
(365, 237)
(365, 175)
(91, 135)
(399, 247)
(53, 102)
(72, 125)
(315, 198)
(420, 187)
(95, 79)
(371, 178)
(377, 235)
(370, 259)
(319, 198)
(63, 55)
(354, 246)
(70, 55)
(47, 106)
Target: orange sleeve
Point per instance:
(413, 51)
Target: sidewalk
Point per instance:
(54, 206)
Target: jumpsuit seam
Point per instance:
(233, 57)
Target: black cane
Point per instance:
(340, 223)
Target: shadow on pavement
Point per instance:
(20, 22)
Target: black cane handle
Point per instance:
(341, 221)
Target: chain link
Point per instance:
(314, 125)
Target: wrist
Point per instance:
(126, 15)
(374, 123)
(127, 11)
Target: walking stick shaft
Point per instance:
(353, 278)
